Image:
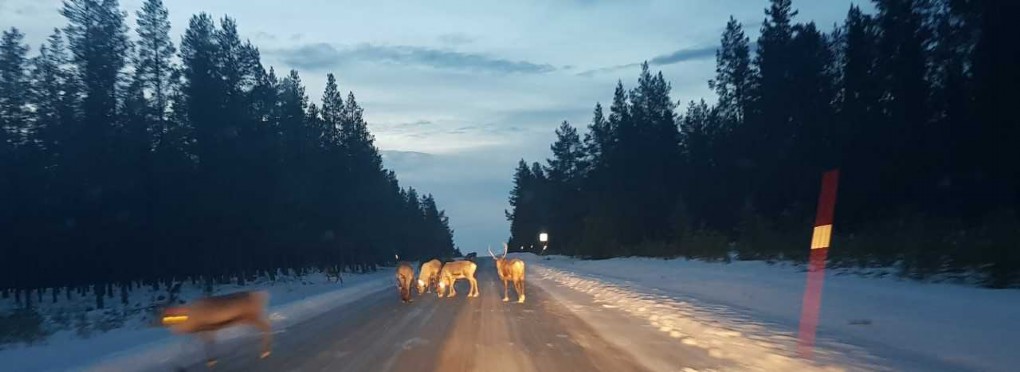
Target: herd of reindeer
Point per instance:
(205, 316)
(439, 277)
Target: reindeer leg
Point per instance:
(267, 336)
(519, 286)
(208, 339)
(506, 291)
(474, 285)
(407, 285)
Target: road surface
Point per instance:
(379, 333)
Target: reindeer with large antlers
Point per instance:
(510, 270)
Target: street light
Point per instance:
(544, 238)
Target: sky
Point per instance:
(456, 92)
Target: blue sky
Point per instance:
(457, 91)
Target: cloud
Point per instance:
(678, 56)
(593, 72)
(682, 55)
(322, 56)
(414, 125)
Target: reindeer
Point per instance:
(405, 275)
(510, 270)
(428, 276)
(457, 270)
(207, 315)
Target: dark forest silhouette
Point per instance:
(130, 160)
(915, 104)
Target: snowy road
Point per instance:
(378, 333)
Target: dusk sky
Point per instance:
(456, 92)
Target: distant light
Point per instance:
(543, 237)
(396, 256)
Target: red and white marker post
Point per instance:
(816, 266)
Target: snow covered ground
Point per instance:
(135, 344)
(749, 312)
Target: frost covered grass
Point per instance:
(865, 323)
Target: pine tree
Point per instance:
(332, 109)
(596, 142)
(201, 88)
(356, 138)
(153, 61)
(98, 42)
(996, 77)
(734, 79)
(97, 39)
(565, 166)
(700, 128)
(565, 175)
(54, 93)
(523, 203)
(15, 165)
(901, 47)
(14, 120)
(767, 140)
(859, 115)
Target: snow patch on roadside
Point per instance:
(749, 345)
(897, 323)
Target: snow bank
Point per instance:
(865, 323)
(136, 346)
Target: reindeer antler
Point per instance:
(506, 249)
(490, 251)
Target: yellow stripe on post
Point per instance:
(821, 237)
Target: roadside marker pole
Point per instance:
(816, 267)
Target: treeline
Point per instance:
(131, 160)
(913, 103)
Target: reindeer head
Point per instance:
(421, 286)
(500, 260)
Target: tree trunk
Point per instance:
(124, 293)
(100, 290)
(56, 291)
